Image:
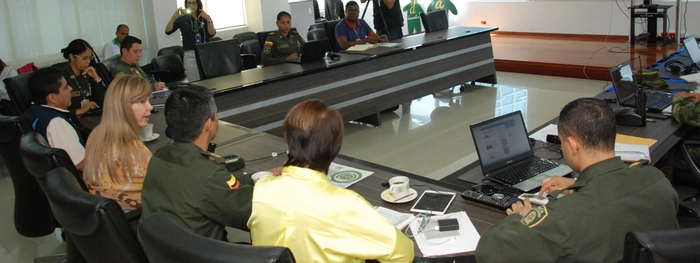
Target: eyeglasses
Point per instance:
(191, 3)
(84, 58)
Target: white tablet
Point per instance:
(433, 202)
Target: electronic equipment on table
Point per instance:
(506, 156)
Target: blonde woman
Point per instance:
(116, 160)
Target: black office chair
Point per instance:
(165, 241)
(693, 174)
(676, 245)
(316, 26)
(40, 158)
(317, 34)
(172, 50)
(60, 65)
(245, 36)
(330, 32)
(18, 89)
(218, 58)
(215, 39)
(33, 217)
(105, 68)
(251, 46)
(434, 21)
(95, 224)
(168, 69)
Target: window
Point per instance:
(37, 30)
(225, 13)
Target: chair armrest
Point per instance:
(133, 217)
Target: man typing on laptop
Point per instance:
(588, 223)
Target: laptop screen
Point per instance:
(501, 141)
(693, 50)
(623, 80)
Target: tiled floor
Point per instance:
(428, 136)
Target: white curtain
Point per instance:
(37, 30)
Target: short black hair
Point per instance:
(591, 121)
(43, 82)
(75, 47)
(129, 41)
(351, 3)
(120, 26)
(186, 111)
(283, 13)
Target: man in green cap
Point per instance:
(186, 182)
(589, 222)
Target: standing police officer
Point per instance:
(283, 44)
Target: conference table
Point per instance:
(256, 147)
(361, 84)
(667, 132)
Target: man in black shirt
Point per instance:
(391, 11)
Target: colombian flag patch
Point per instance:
(233, 183)
(268, 43)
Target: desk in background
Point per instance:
(667, 133)
(358, 85)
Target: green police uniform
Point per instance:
(126, 69)
(278, 47)
(590, 224)
(84, 89)
(196, 192)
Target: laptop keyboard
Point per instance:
(657, 100)
(537, 166)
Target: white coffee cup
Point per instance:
(399, 187)
(147, 132)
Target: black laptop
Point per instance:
(312, 51)
(506, 156)
(625, 87)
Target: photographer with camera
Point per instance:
(196, 27)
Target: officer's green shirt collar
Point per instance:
(289, 35)
(598, 169)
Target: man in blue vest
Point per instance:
(49, 115)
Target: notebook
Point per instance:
(625, 87)
(506, 156)
(312, 51)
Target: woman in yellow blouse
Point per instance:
(300, 209)
(116, 160)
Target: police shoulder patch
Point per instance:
(267, 49)
(535, 216)
(268, 43)
(233, 183)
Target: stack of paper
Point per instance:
(431, 244)
(691, 77)
(363, 47)
(398, 219)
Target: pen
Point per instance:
(403, 197)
